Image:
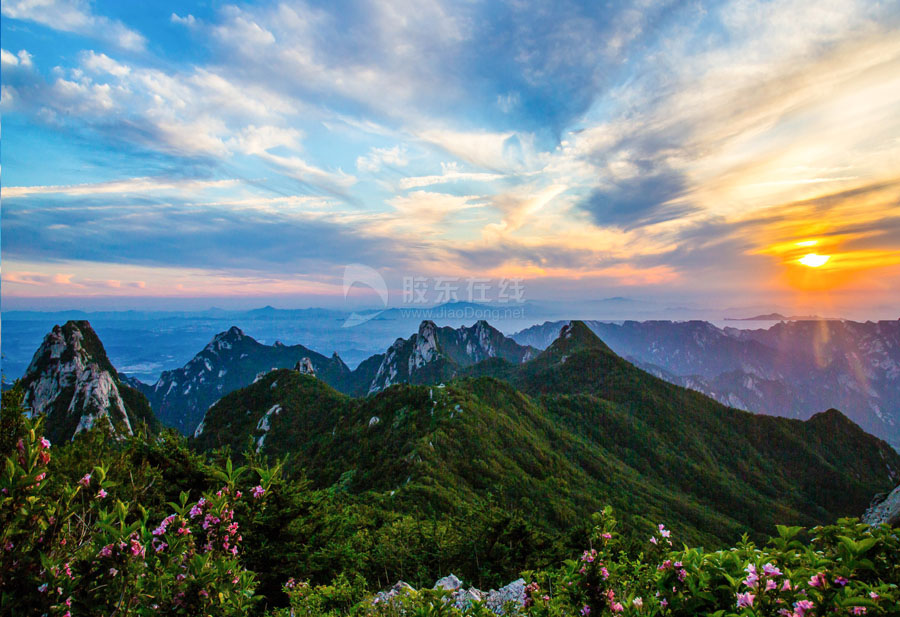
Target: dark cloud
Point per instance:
(641, 200)
(147, 233)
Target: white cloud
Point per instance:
(378, 157)
(74, 16)
(188, 20)
(450, 172)
(23, 58)
(128, 186)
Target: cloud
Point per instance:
(184, 234)
(377, 158)
(74, 16)
(23, 59)
(188, 20)
(646, 198)
(119, 187)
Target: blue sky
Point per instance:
(683, 150)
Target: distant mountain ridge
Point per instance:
(559, 435)
(72, 382)
(793, 369)
(233, 360)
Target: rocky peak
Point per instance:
(225, 340)
(305, 367)
(72, 382)
(425, 346)
(574, 336)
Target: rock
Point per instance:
(449, 583)
(496, 599)
(514, 592)
(399, 589)
(884, 510)
(305, 367)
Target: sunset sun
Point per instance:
(814, 260)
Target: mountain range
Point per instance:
(793, 369)
(450, 417)
(233, 360)
(557, 436)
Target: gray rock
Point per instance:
(305, 367)
(514, 592)
(449, 583)
(884, 510)
(399, 589)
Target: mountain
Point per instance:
(231, 360)
(72, 382)
(434, 354)
(792, 369)
(557, 437)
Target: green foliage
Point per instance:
(147, 526)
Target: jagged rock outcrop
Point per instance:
(434, 353)
(72, 382)
(885, 509)
(305, 367)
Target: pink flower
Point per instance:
(858, 610)
(604, 573)
(606, 536)
(745, 600)
(770, 570)
(617, 607)
(653, 540)
(770, 585)
(106, 551)
(113, 572)
(638, 602)
(45, 443)
(841, 581)
(802, 606)
(258, 491)
(137, 549)
(101, 494)
(817, 581)
(873, 595)
(203, 593)
(586, 610)
(787, 585)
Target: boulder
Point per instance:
(884, 510)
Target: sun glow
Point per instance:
(814, 260)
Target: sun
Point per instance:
(814, 260)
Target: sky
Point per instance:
(727, 153)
